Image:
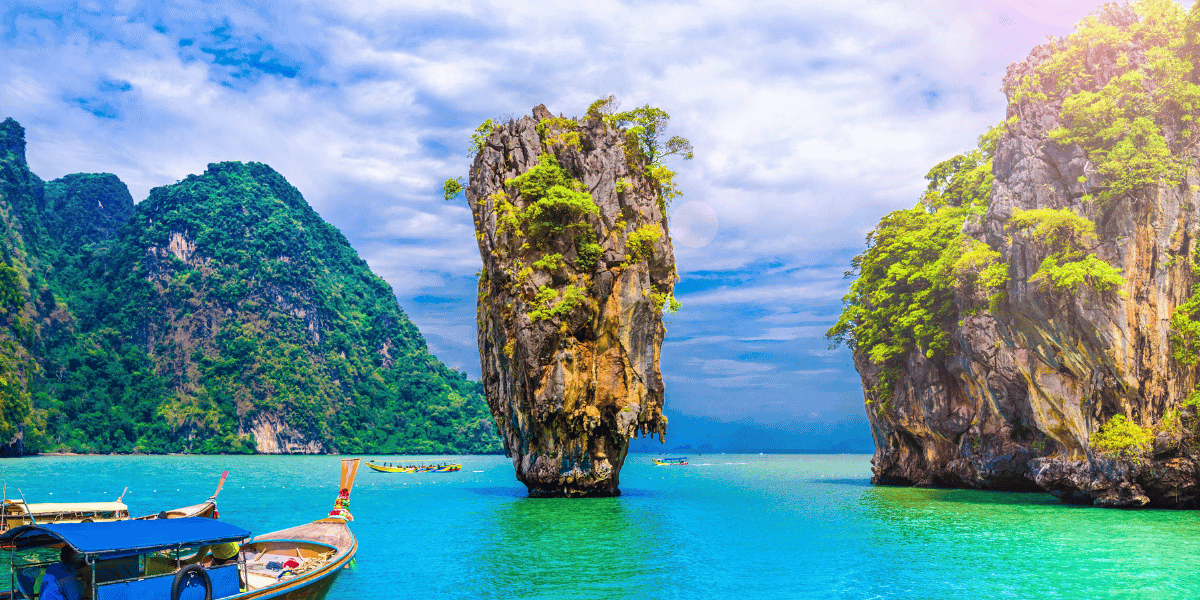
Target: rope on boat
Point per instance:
(308, 564)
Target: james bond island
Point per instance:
(1033, 323)
(570, 216)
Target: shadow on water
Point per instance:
(557, 547)
(499, 492)
(856, 482)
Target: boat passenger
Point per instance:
(60, 582)
(224, 553)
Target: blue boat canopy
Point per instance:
(122, 538)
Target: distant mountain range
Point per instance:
(686, 433)
(221, 314)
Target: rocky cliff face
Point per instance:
(570, 298)
(1029, 384)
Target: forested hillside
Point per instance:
(219, 315)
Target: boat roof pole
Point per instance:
(26, 505)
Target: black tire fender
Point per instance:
(182, 576)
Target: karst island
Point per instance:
(1033, 323)
(571, 220)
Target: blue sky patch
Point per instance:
(97, 106)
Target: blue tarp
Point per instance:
(119, 538)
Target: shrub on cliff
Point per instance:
(1121, 437)
(644, 129)
(1185, 327)
(1066, 237)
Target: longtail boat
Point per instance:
(681, 460)
(14, 513)
(386, 468)
(142, 559)
(390, 469)
(208, 508)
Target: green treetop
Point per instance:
(903, 296)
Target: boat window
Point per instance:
(117, 569)
(28, 566)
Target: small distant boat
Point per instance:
(390, 468)
(387, 468)
(14, 513)
(680, 460)
(143, 559)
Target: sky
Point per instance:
(810, 121)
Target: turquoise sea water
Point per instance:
(725, 526)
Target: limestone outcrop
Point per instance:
(1027, 386)
(578, 264)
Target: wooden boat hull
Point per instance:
(332, 532)
(315, 584)
(205, 509)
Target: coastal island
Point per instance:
(221, 314)
(571, 220)
(1033, 323)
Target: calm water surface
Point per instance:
(726, 526)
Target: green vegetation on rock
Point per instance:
(640, 240)
(550, 303)
(452, 188)
(554, 201)
(1067, 237)
(1185, 328)
(546, 218)
(479, 138)
(644, 129)
(902, 298)
(1122, 123)
(1121, 437)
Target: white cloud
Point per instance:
(784, 334)
(724, 366)
(810, 121)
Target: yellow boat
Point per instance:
(386, 468)
(383, 469)
(670, 461)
